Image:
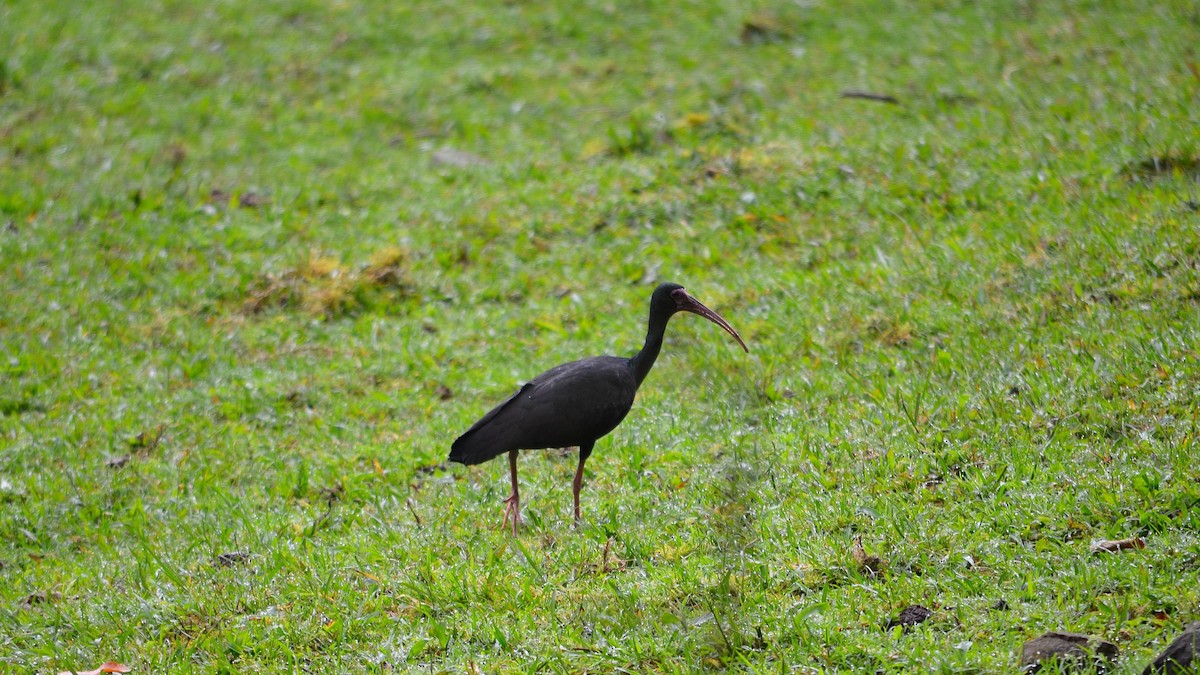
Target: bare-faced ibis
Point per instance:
(574, 404)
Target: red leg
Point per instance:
(577, 484)
(512, 505)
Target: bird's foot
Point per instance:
(512, 507)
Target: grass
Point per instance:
(248, 303)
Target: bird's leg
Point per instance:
(584, 451)
(512, 505)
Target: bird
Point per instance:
(574, 404)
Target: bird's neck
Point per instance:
(643, 361)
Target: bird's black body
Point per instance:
(577, 403)
(569, 405)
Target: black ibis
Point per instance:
(574, 404)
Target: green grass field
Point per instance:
(261, 263)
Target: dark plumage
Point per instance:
(574, 404)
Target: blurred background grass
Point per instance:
(263, 262)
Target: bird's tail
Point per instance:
(470, 449)
(493, 435)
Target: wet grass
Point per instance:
(263, 262)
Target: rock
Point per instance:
(1072, 650)
(1180, 656)
(909, 616)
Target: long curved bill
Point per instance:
(687, 303)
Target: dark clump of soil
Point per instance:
(1072, 651)
(1180, 656)
(909, 617)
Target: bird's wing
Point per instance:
(581, 401)
(476, 445)
(571, 404)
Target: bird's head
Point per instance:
(670, 298)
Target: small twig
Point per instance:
(868, 96)
(75, 487)
(911, 416)
(413, 511)
(319, 523)
(1054, 425)
(912, 231)
(720, 629)
(771, 468)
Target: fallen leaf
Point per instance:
(1114, 545)
(251, 200)
(867, 563)
(106, 667)
(368, 576)
(41, 597)
(763, 29)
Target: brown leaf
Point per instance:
(762, 29)
(106, 667)
(867, 563)
(41, 597)
(246, 200)
(334, 494)
(251, 200)
(146, 441)
(176, 154)
(1114, 545)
